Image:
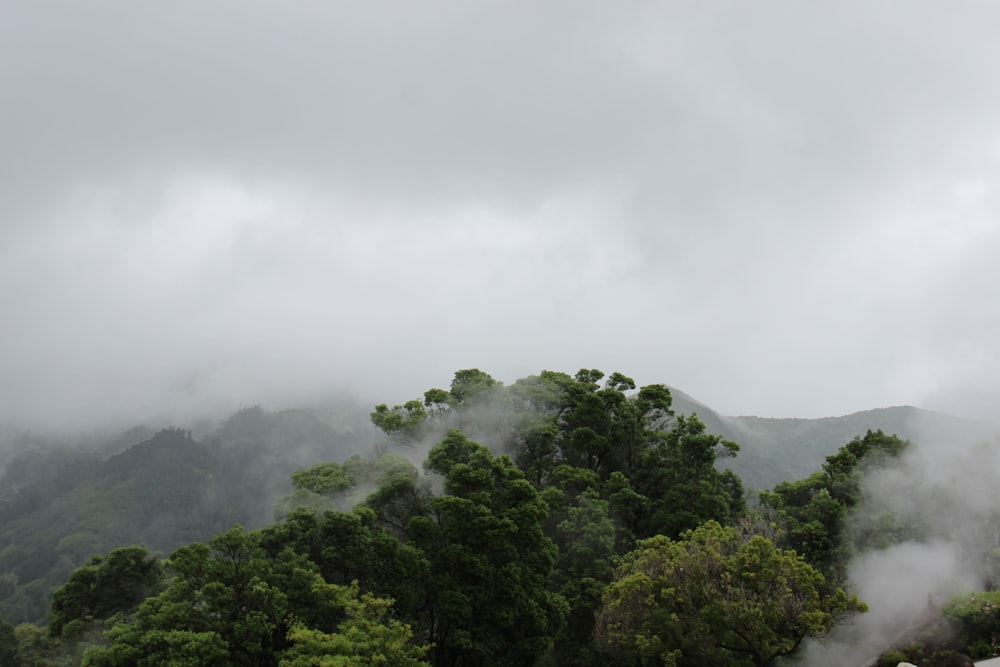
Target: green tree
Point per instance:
(471, 384)
(586, 537)
(402, 423)
(106, 585)
(679, 477)
(489, 560)
(977, 616)
(228, 603)
(709, 598)
(367, 636)
(813, 511)
(8, 644)
(440, 409)
(348, 547)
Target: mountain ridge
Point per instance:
(777, 449)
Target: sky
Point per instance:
(783, 209)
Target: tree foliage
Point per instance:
(977, 615)
(488, 603)
(813, 510)
(108, 585)
(368, 635)
(540, 505)
(708, 598)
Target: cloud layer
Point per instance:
(784, 210)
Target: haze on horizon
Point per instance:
(781, 209)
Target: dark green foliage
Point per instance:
(545, 487)
(591, 447)
(978, 618)
(813, 510)
(489, 560)
(8, 645)
(350, 546)
(108, 585)
(709, 598)
(685, 489)
(57, 510)
(469, 385)
(228, 603)
(586, 538)
(402, 423)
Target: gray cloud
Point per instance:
(782, 209)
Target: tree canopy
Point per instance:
(561, 520)
(708, 598)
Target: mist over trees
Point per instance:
(562, 520)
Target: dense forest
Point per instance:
(562, 520)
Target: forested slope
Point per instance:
(560, 520)
(776, 450)
(62, 506)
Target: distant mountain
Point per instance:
(61, 505)
(776, 450)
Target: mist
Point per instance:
(787, 211)
(945, 492)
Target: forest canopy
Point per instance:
(562, 520)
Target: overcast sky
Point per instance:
(781, 208)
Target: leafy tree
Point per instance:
(325, 478)
(107, 585)
(155, 646)
(342, 486)
(37, 648)
(489, 560)
(402, 423)
(586, 538)
(228, 604)
(471, 384)
(709, 598)
(351, 547)
(367, 636)
(8, 644)
(813, 510)
(978, 617)
(684, 488)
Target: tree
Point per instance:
(489, 560)
(586, 541)
(228, 603)
(975, 614)
(709, 598)
(367, 636)
(37, 648)
(440, 409)
(341, 486)
(107, 585)
(813, 510)
(684, 488)
(8, 644)
(471, 384)
(402, 423)
(351, 547)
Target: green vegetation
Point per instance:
(58, 508)
(563, 521)
(978, 616)
(710, 598)
(813, 510)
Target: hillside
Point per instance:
(60, 504)
(58, 507)
(775, 450)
